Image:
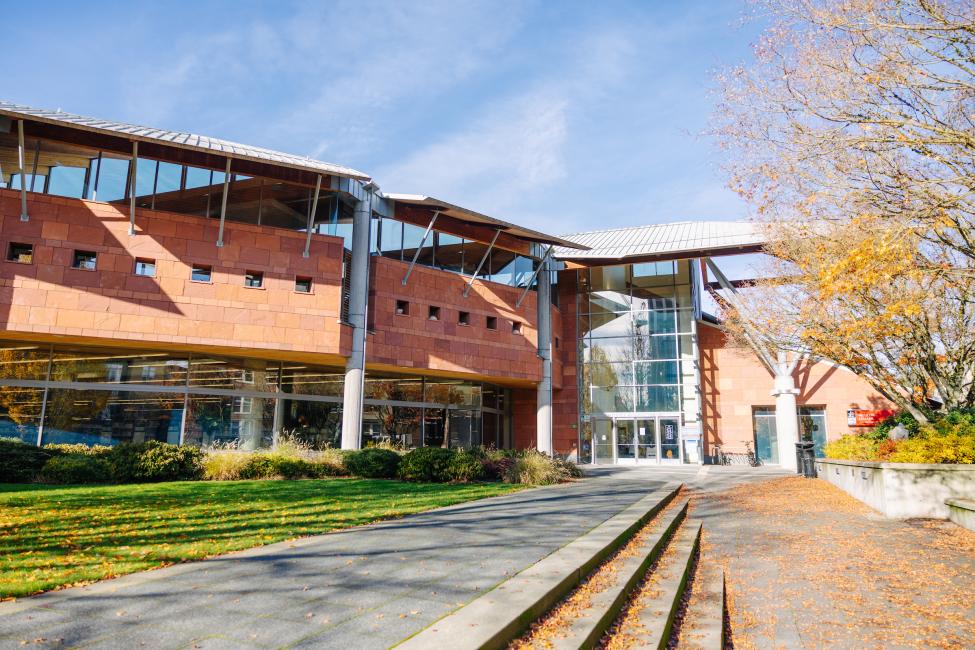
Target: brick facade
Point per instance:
(112, 305)
(733, 382)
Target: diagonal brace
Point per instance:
(467, 289)
(531, 280)
(419, 247)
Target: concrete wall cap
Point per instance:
(947, 467)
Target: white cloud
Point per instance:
(513, 147)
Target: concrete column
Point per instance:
(786, 419)
(543, 417)
(358, 301)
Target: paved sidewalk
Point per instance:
(367, 587)
(810, 567)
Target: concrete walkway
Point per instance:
(367, 587)
(808, 566)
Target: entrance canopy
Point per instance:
(666, 241)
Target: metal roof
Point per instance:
(471, 216)
(178, 139)
(677, 240)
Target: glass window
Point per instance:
(766, 441)
(391, 239)
(145, 267)
(303, 284)
(253, 279)
(201, 273)
(235, 374)
(23, 361)
(658, 398)
(442, 391)
(112, 177)
(223, 421)
(20, 413)
(412, 238)
(311, 380)
(118, 367)
(607, 324)
(450, 252)
(316, 424)
(21, 253)
(398, 425)
(612, 399)
(465, 428)
(101, 417)
(657, 372)
(608, 374)
(67, 180)
(85, 260)
(400, 389)
(812, 426)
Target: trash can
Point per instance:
(806, 458)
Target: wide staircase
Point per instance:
(635, 581)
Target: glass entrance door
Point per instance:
(625, 439)
(646, 440)
(669, 429)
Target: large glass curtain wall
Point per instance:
(102, 396)
(636, 329)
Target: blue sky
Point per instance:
(560, 115)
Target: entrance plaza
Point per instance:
(169, 286)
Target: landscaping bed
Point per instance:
(53, 537)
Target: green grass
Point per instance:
(53, 537)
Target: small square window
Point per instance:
(434, 313)
(22, 253)
(84, 260)
(492, 322)
(403, 307)
(253, 279)
(145, 267)
(464, 318)
(201, 273)
(302, 285)
(515, 327)
(556, 343)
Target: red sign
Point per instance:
(867, 417)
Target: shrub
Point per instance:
(535, 468)
(941, 448)
(373, 462)
(882, 430)
(224, 464)
(80, 449)
(155, 461)
(852, 447)
(495, 468)
(20, 462)
(76, 468)
(427, 464)
(330, 462)
(465, 466)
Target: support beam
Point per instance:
(358, 304)
(467, 289)
(311, 215)
(528, 287)
(543, 403)
(135, 167)
(419, 247)
(23, 175)
(753, 338)
(223, 202)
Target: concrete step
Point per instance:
(500, 615)
(656, 618)
(588, 627)
(702, 626)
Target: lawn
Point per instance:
(53, 537)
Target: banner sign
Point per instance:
(867, 417)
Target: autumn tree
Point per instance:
(853, 135)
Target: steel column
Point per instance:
(223, 202)
(490, 247)
(311, 215)
(543, 405)
(23, 174)
(358, 304)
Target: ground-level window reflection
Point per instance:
(241, 422)
(315, 424)
(101, 417)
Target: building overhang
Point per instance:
(170, 146)
(463, 222)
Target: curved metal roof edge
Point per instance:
(180, 140)
(422, 199)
